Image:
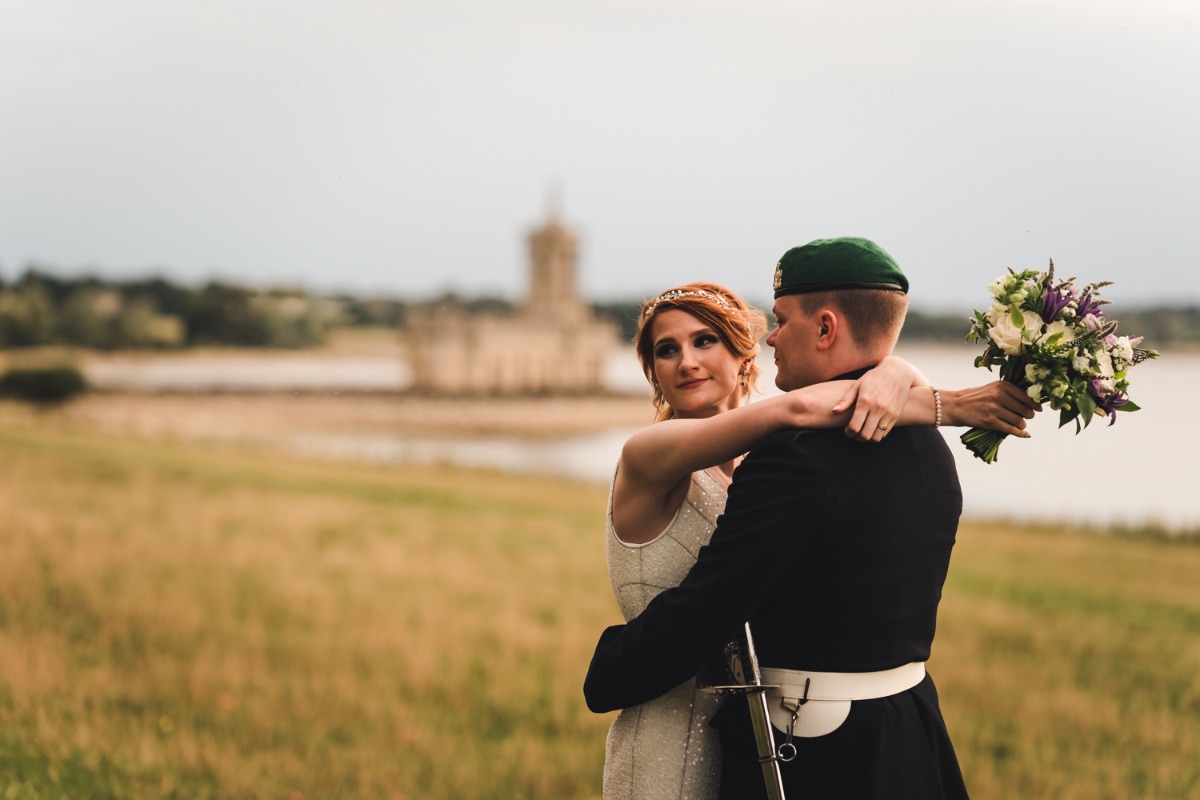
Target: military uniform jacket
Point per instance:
(836, 552)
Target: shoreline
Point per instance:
(238, 415)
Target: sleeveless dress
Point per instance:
(664, 748)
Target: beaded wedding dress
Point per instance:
(664, 748)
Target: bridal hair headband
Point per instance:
(675, 294)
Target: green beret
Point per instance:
(843, 263)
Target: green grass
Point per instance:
(189, 621)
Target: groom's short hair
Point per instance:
(873, 315)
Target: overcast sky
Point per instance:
(408, 147)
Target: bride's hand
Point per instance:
(877, 398)
(998, 406)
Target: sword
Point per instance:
(743, 663)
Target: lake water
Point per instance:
(1139, 472)
(249, 372)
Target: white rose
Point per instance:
(1059, 328)
(1008, 336)
(1106, 366)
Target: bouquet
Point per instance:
(1054, 341)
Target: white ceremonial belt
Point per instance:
(816, 703)
(844, 685)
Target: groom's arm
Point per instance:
(777, 501)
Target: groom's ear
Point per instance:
(827, 330)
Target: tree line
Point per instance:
(39, 308)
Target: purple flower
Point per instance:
(1108, 403)
(1054, 301)
(1089, 307)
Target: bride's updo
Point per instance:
(740, 327)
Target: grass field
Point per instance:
(191, 621)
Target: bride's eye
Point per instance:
(706, 339)
(665, 351)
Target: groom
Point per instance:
(835, 551)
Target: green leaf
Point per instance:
(1017, 317)
(1065, 416)
(1087, 408)
(1130, 406)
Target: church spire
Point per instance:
(554, 200)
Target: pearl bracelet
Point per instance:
(937, 407)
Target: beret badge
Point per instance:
(778, 274)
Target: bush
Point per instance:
(43, 385)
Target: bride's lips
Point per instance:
(692, 384)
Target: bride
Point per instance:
(697, 345)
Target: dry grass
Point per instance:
(245, 417)
(186, 620)
(199, 623)
(1069, 664)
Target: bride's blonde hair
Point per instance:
(740, 327)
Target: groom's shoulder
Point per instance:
(795, 442)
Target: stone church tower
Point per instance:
(552, 267)
(553, 344)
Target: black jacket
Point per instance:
(836, 552)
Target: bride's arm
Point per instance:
(998, 406)
(661, 454)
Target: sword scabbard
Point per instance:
(760, 718)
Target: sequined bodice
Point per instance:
(664, 748)
(638, 572)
